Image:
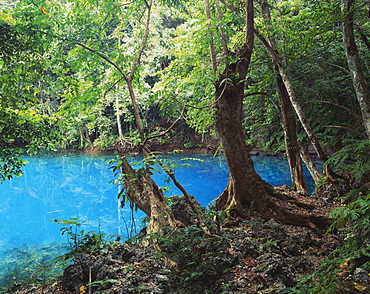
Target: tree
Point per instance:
(288, 118)
(354, 63)
(292, 146)
(95, 38)
(189, 78)
(245, 190)
(105, 47)
(244, 182)
(279, 62)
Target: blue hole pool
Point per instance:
(78, 186)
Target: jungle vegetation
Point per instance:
(284, 76)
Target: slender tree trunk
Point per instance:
(272, 49)
(211, 41)
(291, 140)
(135, 107)
(315, 173)
(139, 186)
(221, 30)
(294, 100)
(354, 63)
(118, 119)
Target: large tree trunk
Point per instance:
(246, 190)
(354, 63)
(244, 182)
(291, 140)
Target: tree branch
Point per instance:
(222, 33)
(101, 55)
(112, 87)
(335, 65)
(364, 38)
(211, 41)
(190, 199)
(347, 128)
(166, 131)
(338, 105)
(143, 43)
(116, 6)
(232, 9)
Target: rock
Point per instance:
(270, 230)
(125, 269)
(276, 269)
(181, 211)
(361, 276)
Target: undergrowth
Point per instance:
(40, 264)
(200, 260)
(352, 221)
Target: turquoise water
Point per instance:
(78, 186)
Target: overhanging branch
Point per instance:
(101, 55)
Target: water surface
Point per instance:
(78, 186)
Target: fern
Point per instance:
(353, 159)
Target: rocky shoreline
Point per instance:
(250, 257)
(262, 258)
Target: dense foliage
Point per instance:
(69, 51)
(66, 69)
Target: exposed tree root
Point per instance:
(280, 204)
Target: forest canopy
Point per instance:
(70, 49)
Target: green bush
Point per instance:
(200, 259)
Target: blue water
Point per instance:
(78, 186)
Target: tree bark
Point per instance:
(211, 41)
(354, 64)
(315, 173)
(271, 47)
(244, 182)
(144, 192)
(291, 140)
(300, 113)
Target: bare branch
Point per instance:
(222, 33)
(147, 4)
(113, 86)
(363, 36)
(211, 41)
(347, 128)
(101, 55)
(232, 8)
(166, 131)
(116, 6)
(334, 65)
